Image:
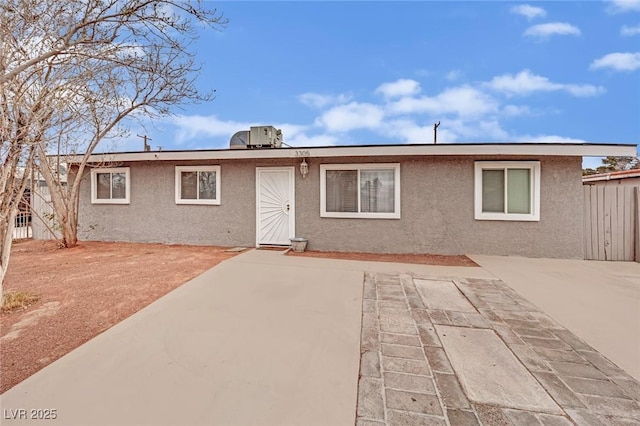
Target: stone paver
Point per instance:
(407, 377)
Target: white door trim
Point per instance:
(291, 201)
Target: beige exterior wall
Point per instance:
(437, 199)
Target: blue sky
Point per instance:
(344, 73)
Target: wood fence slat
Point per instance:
(620, 228)
(596, 223)
(613, 217)
(611, 223)
(604, 224)
(595, 243)
(636, 192)
(588, 251)
(629, 225)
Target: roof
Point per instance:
(624, 174)
(451, 149)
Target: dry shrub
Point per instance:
(13, 300)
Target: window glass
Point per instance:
(110, 185)
(493, 191)
(197, 185)
(119, 186)
(188, 185)
(342, 191)
(507, 190)
(377, 191)
(103, 183)
(518, 191)
(207, 185)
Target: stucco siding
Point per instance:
(153, 215)
(437, 211)
(438, 214)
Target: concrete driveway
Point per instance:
(247, 342)
(266, 339)
(598, 301)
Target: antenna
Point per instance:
(147, 147)
(435, 133)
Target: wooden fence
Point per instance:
(612, 223)
(43, 223)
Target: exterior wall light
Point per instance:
(304, 168)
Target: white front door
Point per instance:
(275, 205)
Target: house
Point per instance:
(624, 178)
(500, 199)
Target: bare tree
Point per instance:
(75, 73)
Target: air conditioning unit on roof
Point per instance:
(264, 137)
(257, 137)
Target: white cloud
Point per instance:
(515, 110)
(408, 131)
(317, 100)
(453, 75)
(544, 31)
(462, 100)
(622, 6)
(525, 83)
(630, 31)
(476, 130)
(618, 61)
(398, 88)
(289, 131)
(467, 112)
(197, 126)
(530, 12)
(354, 115)
(302, 140)
(548, 139)
(191, 127)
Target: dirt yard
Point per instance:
(82, 292)
(424, 259)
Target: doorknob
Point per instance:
(288, 206)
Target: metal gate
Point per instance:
(22, 224)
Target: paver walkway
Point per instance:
(416, 370)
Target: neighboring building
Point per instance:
(500, 199)
(624, 177)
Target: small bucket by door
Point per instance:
(298, 245)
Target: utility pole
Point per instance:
(435, 133)
(147, 147)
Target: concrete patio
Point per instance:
(268, 339)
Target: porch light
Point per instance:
(304, 168)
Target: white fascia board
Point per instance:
(578, 150)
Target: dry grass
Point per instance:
(13, 300)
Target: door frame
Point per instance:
(292, 204)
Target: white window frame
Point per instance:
(180, 200)
(94, 183)
(358, 167)
(533, 166)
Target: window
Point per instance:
(110, 186)
(198, 185)
(360, 191)
(507, 190)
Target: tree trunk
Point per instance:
(6, 233)
(70, 228)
